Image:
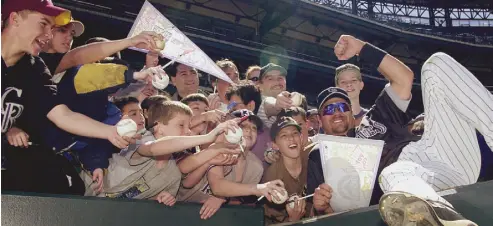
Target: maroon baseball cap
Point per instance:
(62, 16)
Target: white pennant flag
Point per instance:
(177, 43)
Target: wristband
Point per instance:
(372, 54)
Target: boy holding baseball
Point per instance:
(146, 170)
(291, 169)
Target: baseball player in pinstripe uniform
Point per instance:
(447, 155)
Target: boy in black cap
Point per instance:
(291, 169)
(300, 116)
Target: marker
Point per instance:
(174, 60)
(261, 197)
(305, 197)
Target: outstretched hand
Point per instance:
(148, 74)
(268, 189)
(225, 127)
(210, 207)
(145, 40)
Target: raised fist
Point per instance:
(347, 47)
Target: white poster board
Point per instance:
(350, 167)
(150, 19)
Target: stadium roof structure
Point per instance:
(483, 4)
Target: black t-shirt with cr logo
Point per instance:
(28, 95)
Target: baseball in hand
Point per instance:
(126, 127)
(291, 200)
(296, 98)
(280, 198)
(269, 155)
(160, 83)
(159, 43)
(234, 137)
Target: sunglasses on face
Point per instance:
(331, 108)
(254, 79)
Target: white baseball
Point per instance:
(281, 197)
(142, 131)
(160, 83)
(296, 98)
(234, 137)
(267, 153)
(292, 198)
(159, 43)
(126, 127)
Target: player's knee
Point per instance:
(440, 60)
(399, 167)
(440, 56)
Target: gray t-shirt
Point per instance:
(133, 176)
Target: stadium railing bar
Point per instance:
(474, 202)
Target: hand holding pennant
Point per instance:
(176, 43)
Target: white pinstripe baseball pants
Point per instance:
(448, 155)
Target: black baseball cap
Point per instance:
(272, 67)
(281, 123)
(332, 92)
(251, 116)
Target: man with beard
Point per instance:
(272, 84)
(447, 155)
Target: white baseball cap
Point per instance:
(78, 27)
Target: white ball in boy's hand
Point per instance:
(160, 83)
(234, 137)
(280, 198)
(126, 127)
(296, 98)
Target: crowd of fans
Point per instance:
(60, 107)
